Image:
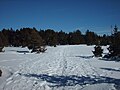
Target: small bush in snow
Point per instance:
(98, 51)
(39, 49)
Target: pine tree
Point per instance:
(51, 37)
(114, 48)
(91, 38)
(2, 44)
(62, 38)
(36, 41)
(98, 51)
(76, 37)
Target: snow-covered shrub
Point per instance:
(114, 48)
(98, 51)
(43, 49)
(39, 49)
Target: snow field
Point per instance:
(69, 67)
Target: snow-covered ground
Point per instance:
(69, 67)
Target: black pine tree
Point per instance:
(98, 51)
(1, 45)
(114, 48)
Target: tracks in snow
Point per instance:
(56, 62)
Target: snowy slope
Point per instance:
(59, 68)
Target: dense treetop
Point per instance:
(31, 36)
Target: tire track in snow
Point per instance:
(22, 67)
(95, 71)
(89, 70)
(93, 68)
(63, 62)
(64, 67)
(84, 69)
(25, 68)
(58, 65)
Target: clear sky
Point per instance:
(66, 15)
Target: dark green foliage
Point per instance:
(3, 40)
(76, 38)
(32, 38)
(91, 38)
(62, 38)
(114, 48)
(105, 40)
(51, 37)
(36, 40)
(98, 51)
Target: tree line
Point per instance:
(33, 37)
(37, 40)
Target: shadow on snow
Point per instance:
(110, 69)
(73, 80)
(86, 57)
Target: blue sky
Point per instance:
(66, 15)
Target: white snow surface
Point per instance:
(69, 67)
